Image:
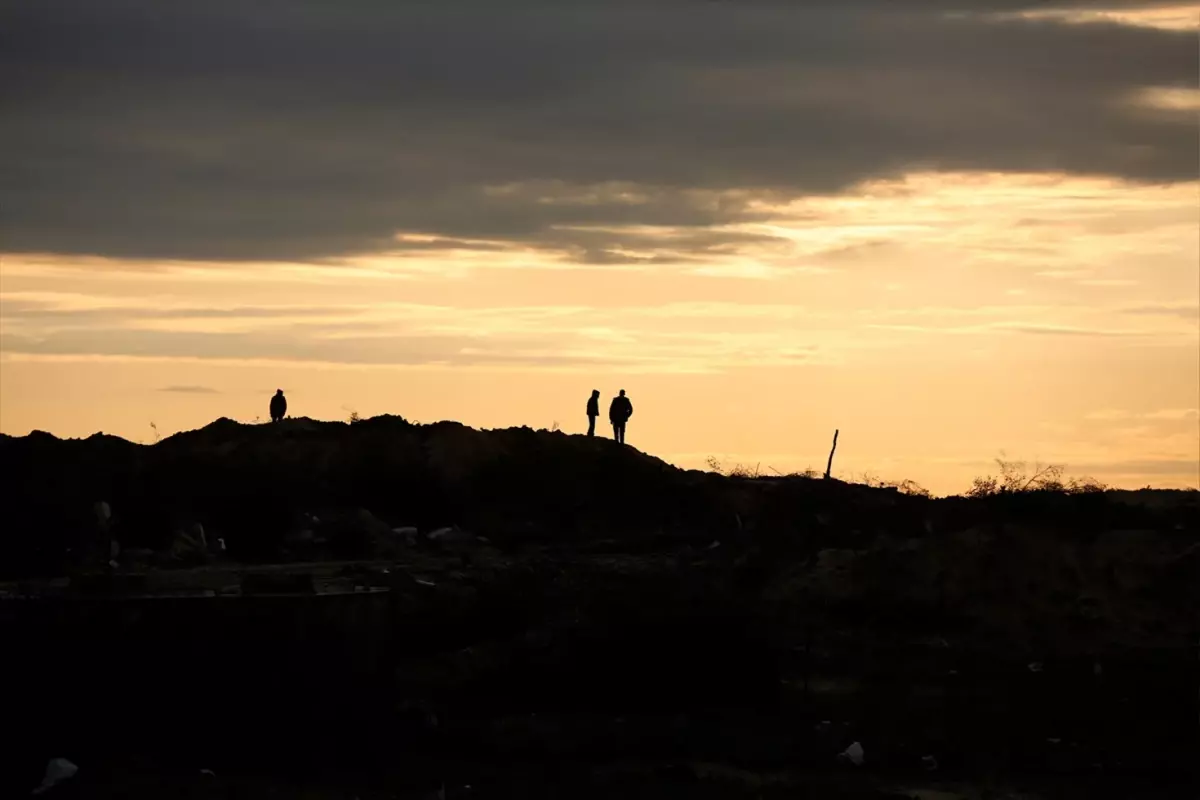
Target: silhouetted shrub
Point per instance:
(1018, 477)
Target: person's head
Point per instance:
(621, 393)
(279, 391)
(595, 392)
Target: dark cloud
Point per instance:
(238, 131)
(190, 389)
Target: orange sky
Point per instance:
(940, 314)
(938, 321)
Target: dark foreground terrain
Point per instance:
(321, 610)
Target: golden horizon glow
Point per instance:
(936, 319)
(1170, 17)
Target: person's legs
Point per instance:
(591, 425)
(620, 430)
(616, 431)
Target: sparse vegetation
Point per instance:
(908, 487)
(739, 470)
(1015, 477)
(1020, 477)
(354, 418)
(736, 471)
(912, 488)
(870, 479)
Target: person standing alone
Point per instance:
(619, 412)
(593, 411)
(278, 406)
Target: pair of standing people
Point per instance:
(619, 412)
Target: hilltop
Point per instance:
(307, 490)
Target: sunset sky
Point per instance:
(952, 229)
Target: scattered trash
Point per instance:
(1054, 740)
(714, 545)
(208, 772)
(425, 582)
(929, 763)
(57, 771)
(853, 754)
(1035, 666)
(450, 536)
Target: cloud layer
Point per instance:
(240, 132)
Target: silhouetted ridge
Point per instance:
(561, 597)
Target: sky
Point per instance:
(954, 230)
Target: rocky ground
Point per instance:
(383, 609)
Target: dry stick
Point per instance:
(829, 466)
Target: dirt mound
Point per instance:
(1035, 568)
(247, 483)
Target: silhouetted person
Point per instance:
(619, 412)
(593, 411)
(278, 406)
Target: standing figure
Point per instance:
(593, 411)
(619, 412)
(278, 406)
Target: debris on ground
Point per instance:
(58, 770)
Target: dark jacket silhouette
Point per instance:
(593, 411)
(278, 406)
(619, 412)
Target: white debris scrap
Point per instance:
(854, 754)
(57, 771)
